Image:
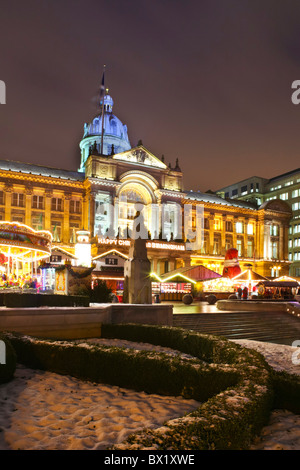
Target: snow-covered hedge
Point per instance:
(234, 384)
(228, 420)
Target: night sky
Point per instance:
(207, 82)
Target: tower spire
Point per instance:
(102, 93)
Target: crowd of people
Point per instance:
(285, 293)
(25, 281)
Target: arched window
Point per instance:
(113, 125)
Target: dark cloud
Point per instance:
(208, 82)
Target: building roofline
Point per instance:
(40, 170)
(240, 182)
(297, 170)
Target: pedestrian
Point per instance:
(245, 293)
(239, 292)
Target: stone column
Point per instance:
(234, 235)
(66, 221)
(92, 208)
(171, 265)
(8, 189)
(267, 238)
(245, 238)
(261, 233)
(223, 236)
(286, 242)
(281, 240)
(28, 205)
(211, 219)
(48, 197)
(154, 221)
(154, 265)
(85, 212)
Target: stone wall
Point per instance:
(80, 322)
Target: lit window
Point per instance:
(55, 259)
(274, 230)
(217, 224)
(296, 206)
(205, 246)
(75, 207)
(228, 243)
(239, 247)
(56, 204)
(216, 249)
(250, 229)
(250, 248)
(56, 230)
(73, 229)
(18, 200)
(239, 227)
(244, 190)
(37, 202)
(37, 222)
(228, 226)
(274, 249)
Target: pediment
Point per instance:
(140, 156)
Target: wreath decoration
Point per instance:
(75, 274)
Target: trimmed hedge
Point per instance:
(234, 383)
(151, 372)
(229, 420)
(286, 391)
(7, 370)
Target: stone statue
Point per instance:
(137, 281)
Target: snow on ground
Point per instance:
(45, 411)
(280, 356)
(283, 430)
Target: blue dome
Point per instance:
(115, 136)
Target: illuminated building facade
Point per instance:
(284, 187)
(260, 234)
(111, 187)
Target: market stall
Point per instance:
(248, 280)
(278, 289)
(185, 280)
(221, 285)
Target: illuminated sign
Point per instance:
(165, 246)
(149, 244)
(110, 241)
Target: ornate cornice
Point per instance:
(26, 177)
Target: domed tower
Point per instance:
(115, 136)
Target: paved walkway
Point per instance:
(274, 327)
